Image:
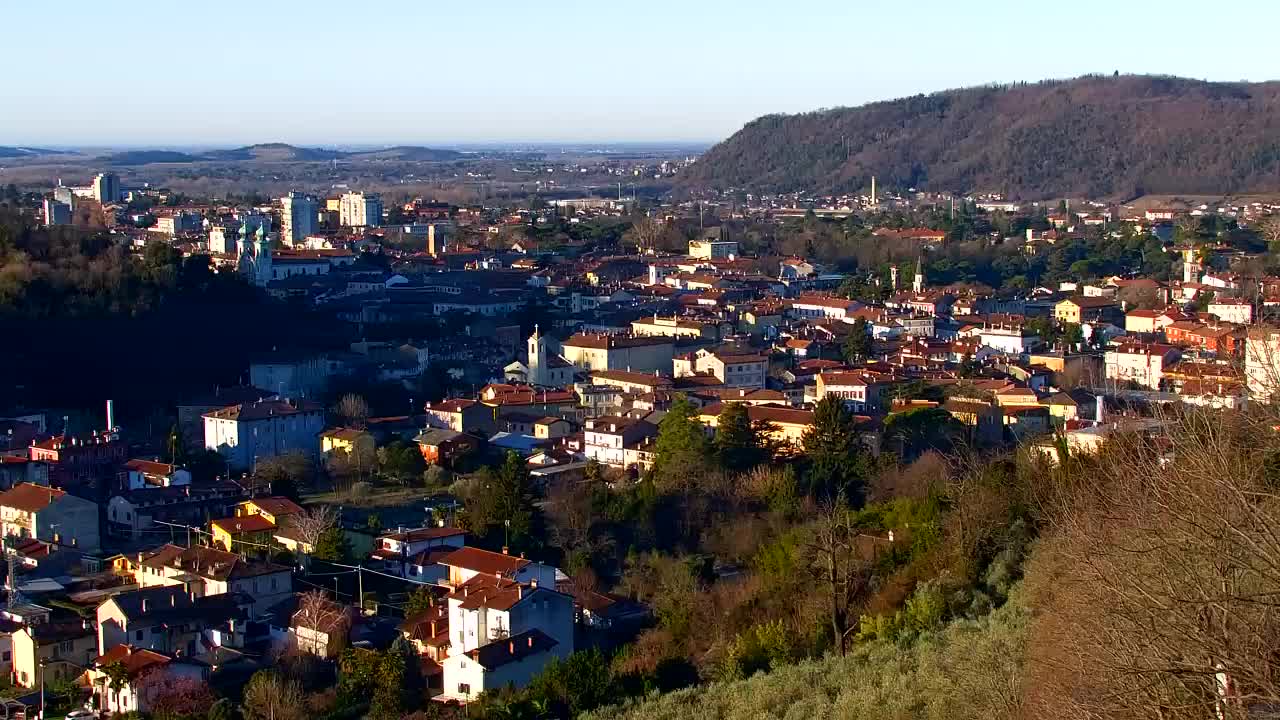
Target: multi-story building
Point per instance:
(415, 553)
(503, 632)
(56, 213)
(606, 439)
(360, 210)
(672, 327)
(1141, 364)
(249, 432)
(298, 214)
(44, 513)
(619, 352)
(823, 306)
(787, 425)
(1262, 364)
(203, 571)
(861, 391)
(1239, 312)
(106, 188)
(737, 370)
(713, 249)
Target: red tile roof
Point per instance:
(30, 498)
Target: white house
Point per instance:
(606, 439)
(1239, 312)
(414, 553)
(1014, 340)
(248, 432)
(143, 474)
(1140, 364)
(503, 632)
(822, 306)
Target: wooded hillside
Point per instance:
(1096, 136)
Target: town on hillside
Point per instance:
(433, 453)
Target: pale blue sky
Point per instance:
(154, 73)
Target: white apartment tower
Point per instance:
(360, 210)
(297, 218)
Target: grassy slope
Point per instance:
(971, 669)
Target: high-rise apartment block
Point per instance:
(297, 218)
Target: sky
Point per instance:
(439, 72)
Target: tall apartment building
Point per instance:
(1262, 364)
(360, 210)
(297, 218)
(56, 213)
(106, 188)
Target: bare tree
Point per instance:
(837, 563)
(1269, 228)
(269, 696)
(320, 624)
(1159, 583)
(353, 410)
(645, 233)
(308, 526)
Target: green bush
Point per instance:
(961, 671)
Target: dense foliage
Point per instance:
(1098, 136)
(97, 321)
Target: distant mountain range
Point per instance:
(280, 152)
(1096, 136)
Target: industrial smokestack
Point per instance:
(111, 415)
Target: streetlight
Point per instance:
(42, 663)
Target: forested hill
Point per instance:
(1096, 136)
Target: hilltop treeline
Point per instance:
(1096, 136)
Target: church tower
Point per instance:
(262, 256)
(537, 358)
(1190, 265)
(917, 285)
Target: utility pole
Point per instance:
(360, 576)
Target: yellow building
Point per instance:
(243, 533)
(788, 425)
(1077, 308)
(347, 440)
(672, 327)
(255, 523)
(66, 648)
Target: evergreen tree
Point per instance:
(737, 445)
(333, 546)
(682, 446)
(837, 466)
(857, 346)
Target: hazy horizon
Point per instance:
(565, 72)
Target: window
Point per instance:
(138, 635)
(464, 688)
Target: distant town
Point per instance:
(507, 413)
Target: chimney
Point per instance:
(111, 415)
(519, 592)
(173, 600)
(433, 628)
(511, 647)
(530, 641)
(144, 604)
(533, 583)
(506, 550)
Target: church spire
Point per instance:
(917, 284)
